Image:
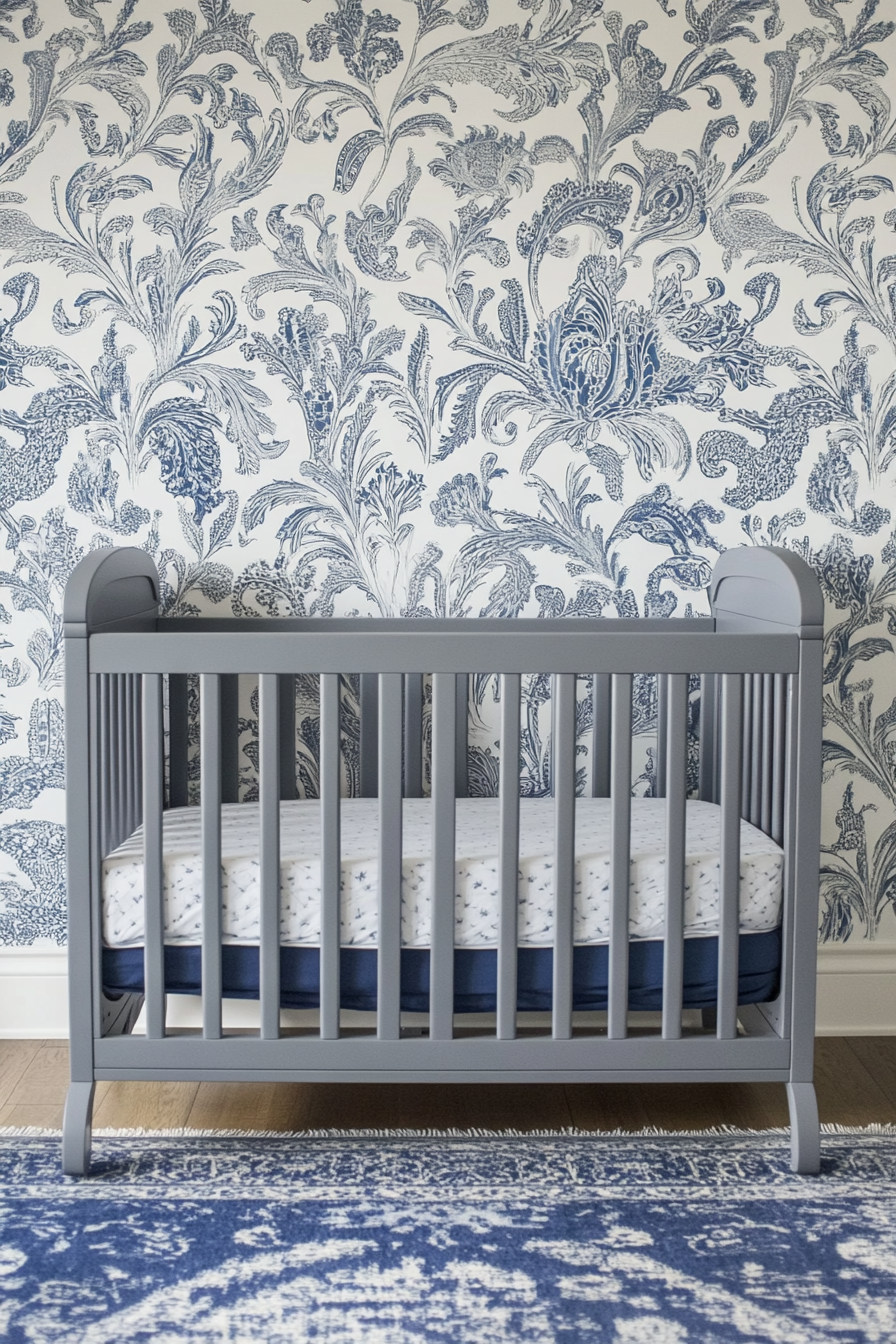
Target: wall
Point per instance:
(449, 309)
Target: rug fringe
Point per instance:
(649, 1132)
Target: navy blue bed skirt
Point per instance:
(475, 975)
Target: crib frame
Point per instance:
(760, 659)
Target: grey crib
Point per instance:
(759, 660)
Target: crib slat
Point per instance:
(707, 737)
(369, 733)
(112, 825)
(461, 773)
(269, 855)
(109, 755)
(138, 746)
(767, 748)
(119, 732)
(563, 775)
(756, 753)
(413, 735)
(128, 780)
(127, 773)
(388, 988)
(441, 960)
(600, 735)
(778, 758)
(177, 739)
(210, 824)
(230, 740)
(620, 856)
(288, 736)
(133, 753)
(126, 754)
(121, 759)
(746, 751)
(731, 747)
(662, 698)
(153, 907)
(676, 821)
(137, 682)
(104, 750)
(114, 800)
(508, 856)
(96, 865)
(330, 858)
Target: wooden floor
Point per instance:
(855, 1077)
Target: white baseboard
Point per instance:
(856, 993)
(856, 990)
(33, 994)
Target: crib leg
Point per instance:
(805, 1137)
(76, 1128)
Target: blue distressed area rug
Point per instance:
(456, 1239)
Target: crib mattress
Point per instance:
(476, 869)
(475, 975)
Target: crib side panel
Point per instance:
(390, 790)
(762, 590)
(80, 862)
(109, 590)
(806, 764)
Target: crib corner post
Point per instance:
(110, 589)
(80, 822)
(805, 1133)
(77, 1124)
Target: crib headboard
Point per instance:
(759, 590)
(766, 589)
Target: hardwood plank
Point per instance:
(499, 1106)
(15, 1056)
(158, 1105)
(847, 1092)
(709, 1105)
(877, 1054)
(370, 1106)
(293, 1107)
(42, 1116)
(242, 1106)
(45, 1080)
(606, 1106)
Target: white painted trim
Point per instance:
(856, 992)
(29, 961)
(857, 958)
(33, 993)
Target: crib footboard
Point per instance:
(754, 669)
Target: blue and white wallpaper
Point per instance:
(450, 307)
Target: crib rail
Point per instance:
(552, 648)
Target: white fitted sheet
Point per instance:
(476, 905)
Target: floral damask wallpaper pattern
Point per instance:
(452, 309)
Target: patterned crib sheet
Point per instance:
(476, 869)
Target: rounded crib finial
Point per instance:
(769, 584)
(109, 586)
